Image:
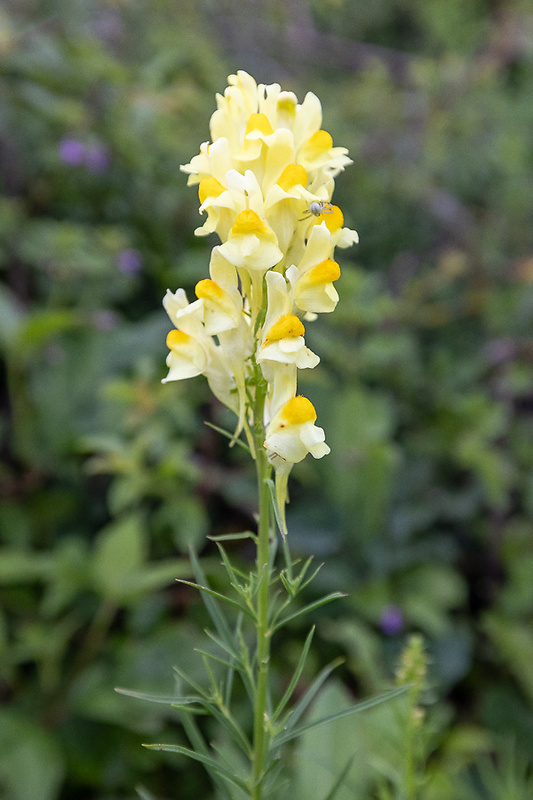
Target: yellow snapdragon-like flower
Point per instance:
(186, 359)
(290, 436)
(265, 185)
(251, 243)
(292, 433)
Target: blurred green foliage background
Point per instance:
(423, 511)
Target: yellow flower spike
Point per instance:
(249, 222)
(265, 183)
(287, 325)
(292, 175)
(209, 187)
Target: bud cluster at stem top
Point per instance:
(265, 183)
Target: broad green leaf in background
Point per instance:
(32, 765)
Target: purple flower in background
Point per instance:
(129, 261)
(75, 153)
(391, 620)
(72, 152)
(96, 158)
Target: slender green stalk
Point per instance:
(260, 743)
(409, 774)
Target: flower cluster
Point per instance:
(265, 183)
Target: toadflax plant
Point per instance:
(265, 183)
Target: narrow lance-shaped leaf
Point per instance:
(310, 607)
(296, 712)
(374, 701)
(217, 617)
(196, 686)
(197, 741)
(165, 699)
(228, 435)
(227, 648)
(218, 595)
(213, 657)
(233, 573)
(207, 761)
(232, 667)
(277, 513)
(296, 677)
(233, 537)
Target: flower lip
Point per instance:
(332, 217)
(258, 122)
(287, 325)
(320, 142)
(209, 187)
(298, 410)
(325, 272)
(176, 339)
(248, 222)
(292, 175)
(209, 290)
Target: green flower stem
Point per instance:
(260, 743)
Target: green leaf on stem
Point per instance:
(218, 595)
(295, 585)
(208, 762)
(165, 699)
(233, 665)
(233, 537)
(217, 617)
(310, 607)
(235, 731)
(227, 648)
(235, 574)
(296, 677)
(215, 658)
(277, 511)
(228, 435)
(296, 712)
(355, 709)
(198, 742)
(184, 677)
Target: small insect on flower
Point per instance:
(316, 208)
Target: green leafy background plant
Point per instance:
(425, 390)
